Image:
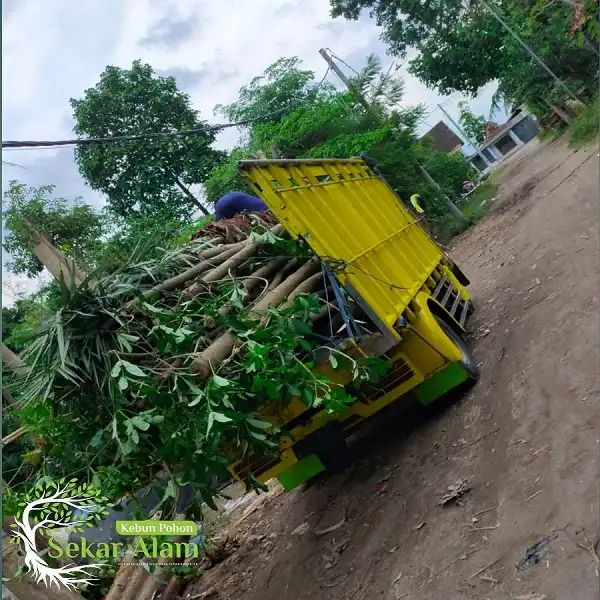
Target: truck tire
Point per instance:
(468, 362)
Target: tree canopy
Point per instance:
(72, 226)
(462, 48)
(149, 177)
(331, 123)
(473, 125)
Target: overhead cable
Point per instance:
(160, 135)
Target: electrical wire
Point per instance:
(337, 265)
(5, 163)
(160, 135)
(334, 55)
(419, 121)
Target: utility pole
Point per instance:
(533, 55)
(472, 142)
(454, 210)
(361, 99)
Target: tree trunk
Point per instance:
(135, 583)
(235, 261)
(566, 117)
(191, 196)
(53, 259)
(221, 348)
(13, 361)
(16, 363)
(162, 574)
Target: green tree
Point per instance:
(272, 95)
(331, 124)
(143, 177)
(450, 171)
(406, 23)
(324, 116)
(20, 320)
(384, 90)
(226, 177)
(473, 125)
(72, 226)
(142, 235)
(462, 48)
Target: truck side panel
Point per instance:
(350, 217)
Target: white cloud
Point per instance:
(55, 53)
(15, 287)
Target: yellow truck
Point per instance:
(394, 276)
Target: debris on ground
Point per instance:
(531, 596)
(236, 229)
(335, 550)
(456, 491)
(332, 528)
(534, 554)
(301, 529)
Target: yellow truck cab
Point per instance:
(377, 254)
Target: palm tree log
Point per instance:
(221, 348)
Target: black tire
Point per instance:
(468, 362)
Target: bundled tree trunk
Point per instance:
(249, 249)
(222, 347)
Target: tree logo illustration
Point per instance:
(63, 505)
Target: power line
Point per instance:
(419, 121)
(158, 135)
(334, 55)
(5, 163)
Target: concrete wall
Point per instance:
(520, 130)
(526, 129)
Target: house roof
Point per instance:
(444, 139)
(491, 129)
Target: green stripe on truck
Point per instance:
(300, 472)
(440, 383)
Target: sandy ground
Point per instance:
(525, 436)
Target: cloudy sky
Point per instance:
(55, 49)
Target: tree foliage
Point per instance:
(384, 90)
(462, 47)
(332, 124)
(272, 95)
(450, 171)
(473, 125)
(20, 320)
(142, 178)
(112, 404)
(406, 23)
(72, 226)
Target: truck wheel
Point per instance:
(467, 362)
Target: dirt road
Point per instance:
(525, 436)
